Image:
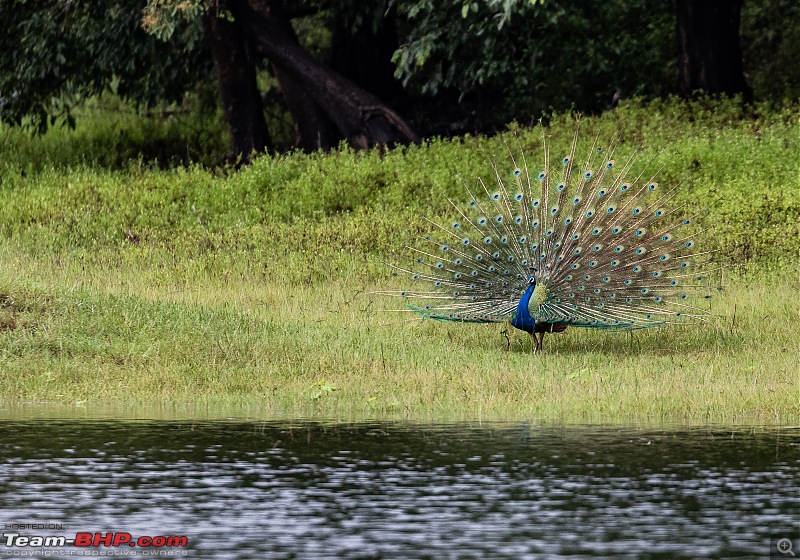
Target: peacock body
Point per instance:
(582, 243)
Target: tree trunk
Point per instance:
(313, 129)
(710, 56)
(360, 117)
(241, 100)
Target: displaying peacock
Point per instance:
(581, 242)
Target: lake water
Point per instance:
(307, 489)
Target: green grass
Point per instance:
(250, 288)
(127, 330)
(114, 135)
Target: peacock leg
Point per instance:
(538, 338)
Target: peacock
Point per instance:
(583, 242)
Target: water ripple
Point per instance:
(316, 490)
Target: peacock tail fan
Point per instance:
(585, 242)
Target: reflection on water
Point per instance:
(380, 490)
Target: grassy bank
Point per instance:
(131, 331)
(251, 287)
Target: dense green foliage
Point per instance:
(741, 170)
(464, 66)
(511, 59)
(771, 48)
(54, 54)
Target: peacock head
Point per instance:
(539, 296)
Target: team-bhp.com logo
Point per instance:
(95, 540)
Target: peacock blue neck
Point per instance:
(522, 318)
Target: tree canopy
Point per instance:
(387, 72)
(53, 53)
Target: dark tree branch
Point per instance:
(359, 116)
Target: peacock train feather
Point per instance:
(583, 243)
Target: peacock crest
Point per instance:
(583, 243)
